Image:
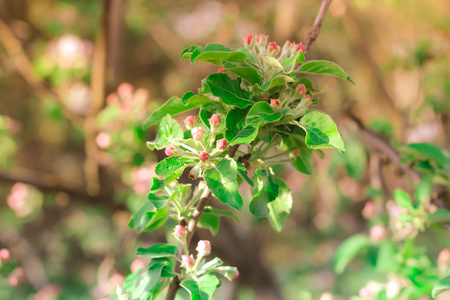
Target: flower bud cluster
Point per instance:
(259, 44)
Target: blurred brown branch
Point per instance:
(315, 30)
(98, 85)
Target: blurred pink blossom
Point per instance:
(103, 140)
(136, 265)
(18, 199)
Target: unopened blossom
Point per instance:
(365, 293)
(326, 296)
(197, 133)
(125, 90)
(222, 144)
(194, 173)
(300, 47)
(136, 265)
(5, 255)
(190, 121)
(170, 150)
(13, 280)
(248, 40)
(444, 257)
(273, 48)
(204, 156)
(275, 102)
(301, 90)
(369, 210)
(179, 231)
(117, 279)
(215, 120)
(377, 233)
(187, 261)
(261, 40)
(221, 70)
(393, 287)
(203, 247)
(297, 152)
(235, 274)
(103, 140)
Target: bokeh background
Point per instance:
(73, 160)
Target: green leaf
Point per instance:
(281, 206)
(290, 62)
(348, 250)
(403, 199)
(221, 180)
(203, 289)
(169, 166)
(186, 97)
(243, 125)
(355, 158)
(324, 67)
(220, 212)
(214, 54)
(247, 73)
(273, 62)
(430, 152)
(386, 258)
(174, 106)
(303, 163)
(159, 201)
(157, 184)
(442, 286)
(168, 131)
(321, 131)
(264, 191)
(209, 221)
(159, 218)
(440, 216)
(229, 90)
(277, 81)
(158, 250)
(142, 217)
(423, 190)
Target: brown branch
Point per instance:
(192, 225)
(315, 30)
(98, 84)
(383, 146)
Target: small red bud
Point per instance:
(215, 120)
(297, 152)
(179, 231)
(103, 140)
(170, 150)
(5, 255)
(274, 102)
(221, 70)
(300, 47)
(222, 144)
(260, 38)
(204, 156)
(197, 133)
(301, 90)
(377, 233)
(189, 122)
(203, 247)
(248, 39)
(272, 47)
(187, 261)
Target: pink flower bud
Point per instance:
(301, 89)
(272, 47)
(179, 231)
(187, 261)
(170, 150)
(5, 255)
(261, 38)
(297, 152)
(222, 144)
(274, 102)
(117, 279)
(365, 293)
(197, 133)
(393, 287)
(203, 247)
(103, 140)
(300, 47)
(189, 122)
(136, 265)
(369, 210)
(204, 156)
(377, 233)
(215, 120)
(248, 40)
(221, 70)
(194, 173)
(307, 100)
(13, 280)
(125, 90)
(444, 258)
(326, 296)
